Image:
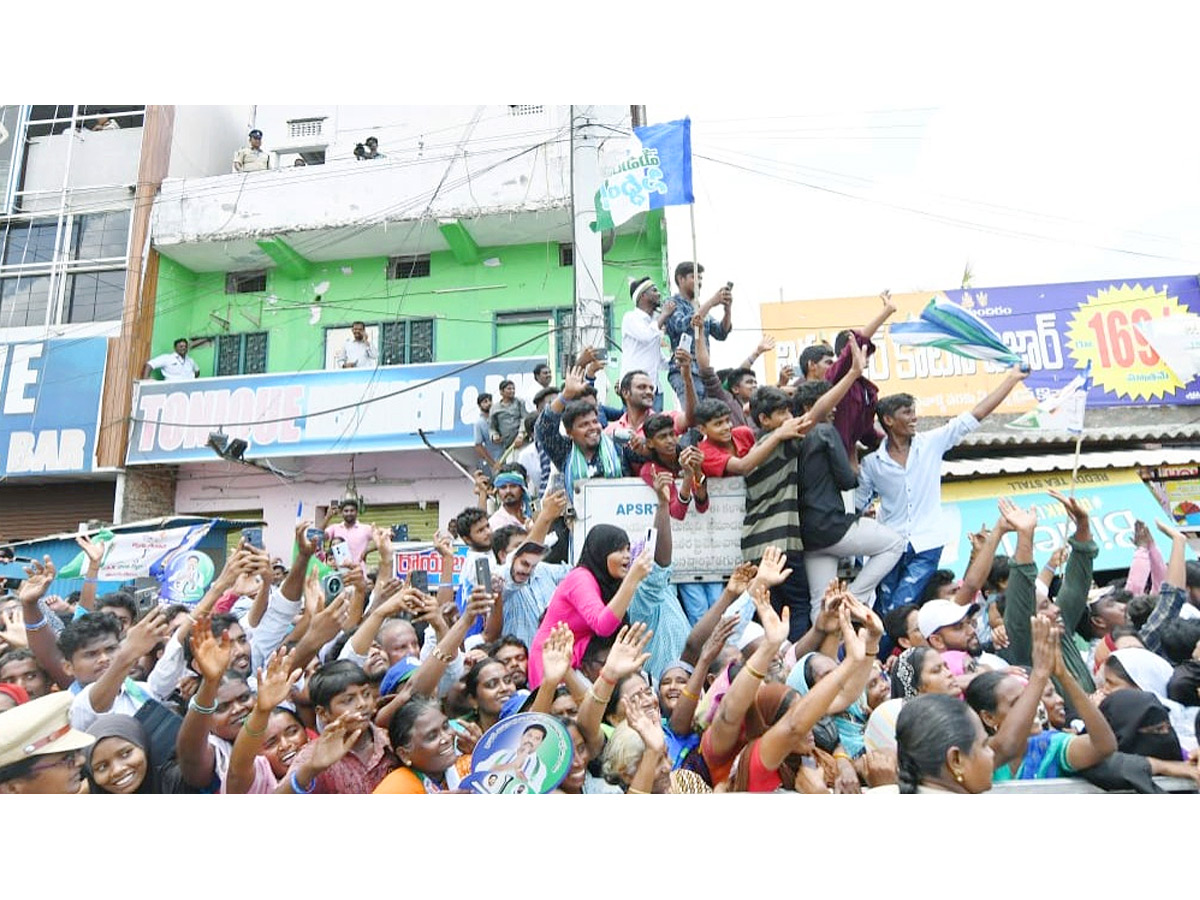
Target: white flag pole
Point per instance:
(1075, 468)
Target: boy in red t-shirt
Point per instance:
(729, 450)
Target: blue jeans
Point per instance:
(906, 582)
(676, 382)
(697, 598)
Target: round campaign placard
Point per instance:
(529, 753)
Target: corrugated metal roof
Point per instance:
(1111, 424)
(1063, 462)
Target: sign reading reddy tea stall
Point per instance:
(316, 413)
(1057, 328)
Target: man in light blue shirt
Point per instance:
(906, 473)
(529, 583)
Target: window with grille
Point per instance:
(246, 282)
(241, 354)
(409, 266)
(566, 254)
(305, 128)
(525, 109)
(407, 342)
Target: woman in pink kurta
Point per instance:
(587, 599)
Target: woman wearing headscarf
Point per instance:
(594, 596)
(1134, 667)
(120, 761)
(786, 754)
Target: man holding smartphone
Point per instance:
(688, 276)
(356, 534)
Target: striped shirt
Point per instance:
(772, 502)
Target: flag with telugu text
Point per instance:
(657, 172)
(1061, 411)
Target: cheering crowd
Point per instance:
(895, 677)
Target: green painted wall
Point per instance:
(529, 277)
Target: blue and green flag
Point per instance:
(657, 172)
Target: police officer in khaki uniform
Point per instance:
(253, 158)
(40, 753)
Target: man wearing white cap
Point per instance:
(39, 750)
(642, 332)
(947, 626)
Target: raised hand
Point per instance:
(443, 544)
(306, 546)
(574, 383)
(786, 374)
(640, 567)
(276, 680)
(1073, 507)
(1169, 530)
(555, 504)
(743, 574)
(775, 626)
(858, 358)
(795, 427)
(662, 485)
(717, 639)
(691, 458)
(771, 571)
(93, 550)
(147, 634)
(480, 603)
(14, 628)
(646, 724)
(1044, 643)
(556, 653)
(38, 576)
(668, 308)
(1020, 519)
(888, 305)
(329, 621)
(856, 647)
(210, 654)
(767, 343)
(1059, 556)
(627, 653)
(683, 359)
(336, 740)
(1141, 534)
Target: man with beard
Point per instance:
(642, 332)
(947, 625)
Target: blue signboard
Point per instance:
(1059, 328)
(315, 413)
(49, 405)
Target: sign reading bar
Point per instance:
(49, 405)
(315, 413)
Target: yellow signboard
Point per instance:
(944, 384)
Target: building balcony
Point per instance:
(411, 201)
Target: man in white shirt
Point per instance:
(906, 473)
(641, 333)
(357, 352)
(177, 366)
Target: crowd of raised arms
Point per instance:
(780, 677)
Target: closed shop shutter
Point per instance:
(36, 510)
(422, 523)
